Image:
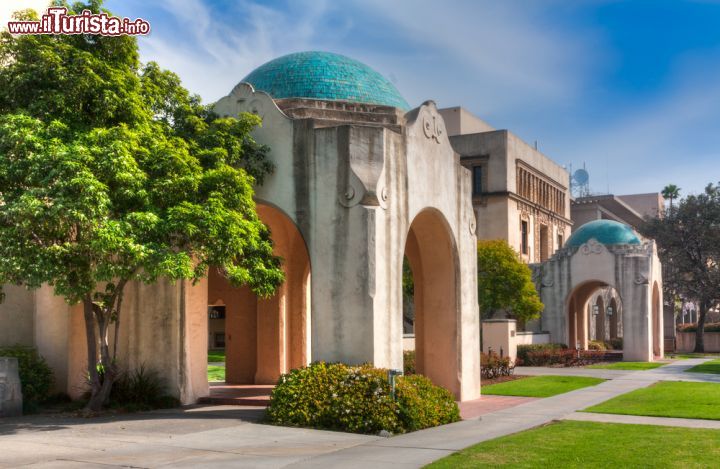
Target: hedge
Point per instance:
(358, 399)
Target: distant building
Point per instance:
(518, 193)
(628, 209)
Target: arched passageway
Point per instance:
(265, 337)
(594, 312)
(432, 257)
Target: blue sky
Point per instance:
(631, 89)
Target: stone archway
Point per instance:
(577, 316)
(265, 337)
(432, 256)
(614, 314)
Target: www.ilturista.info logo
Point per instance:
(57, 21)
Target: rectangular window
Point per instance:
(524, 236)
(544, 243)
(560, 241)
(477, 180)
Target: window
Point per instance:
(545, 241)
(560, 241)
(524, 236)
(477, 173)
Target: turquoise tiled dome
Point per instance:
(324, 75)
(604, 232)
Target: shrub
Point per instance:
(564, 357)
(615, 344)
(357, 399)
(709, 327)
(36, 377)
(492, 365)
(141, 389)
(409, 362)
(523, 350)
(597, 345)
(424, 405)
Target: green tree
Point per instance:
(688, 240)
(111, 172)
(671, 192)
(505, 282)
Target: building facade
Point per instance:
(518, 193)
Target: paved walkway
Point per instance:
(641, 420)
(228, 436)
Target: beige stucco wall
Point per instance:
(16, 317)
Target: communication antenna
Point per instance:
(580, 182)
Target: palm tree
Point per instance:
(671, 192)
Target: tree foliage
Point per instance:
(505, 282)
(688, 240)
(111, 172)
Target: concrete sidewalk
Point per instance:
(231, 436)
(673, 371)
(641, 420)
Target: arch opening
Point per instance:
(264, 337)
(432, 259)
(594, 313)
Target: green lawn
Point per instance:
(569, 444)
(707, 367)
(216, 373)
(540, 386)
(667, 399)
(627, 366)
(216, 356)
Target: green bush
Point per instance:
(597, 345)
(523, 350)
(36, 377)
(409, 362)
(424, 405)
(141, 389)
(357, 399)
(615, 344)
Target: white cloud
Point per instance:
(8, 7)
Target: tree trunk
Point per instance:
(100, 385)
(93, 375)
(700, 332)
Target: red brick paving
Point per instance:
(487, 404)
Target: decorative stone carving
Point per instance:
(592, 247)
(432, 128)
(10, 390)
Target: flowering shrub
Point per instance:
(358, 399)
(492, 365)
(423, 405)
(409, 362)
(564, 357)
(523, 350)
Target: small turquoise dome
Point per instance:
(324, 75)
(604, 232)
